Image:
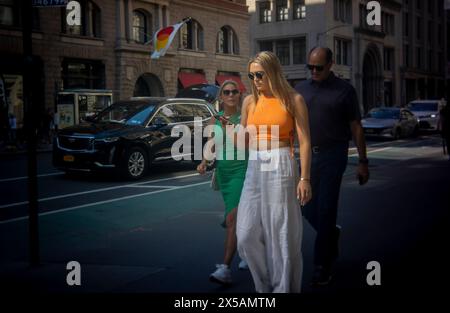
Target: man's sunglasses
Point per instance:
(319, 68)
(258, 75)
(230, 92)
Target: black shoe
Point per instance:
(322, 276)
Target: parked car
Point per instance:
(427, 112)
(393, 122)
(129, 136)
(206, 92)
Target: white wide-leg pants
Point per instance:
(269, 222)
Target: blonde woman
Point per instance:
(230, 173)
(269, 222)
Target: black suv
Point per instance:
(129, 135)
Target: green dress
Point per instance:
(230, 166)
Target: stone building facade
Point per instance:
(111, 49)
(372, 58)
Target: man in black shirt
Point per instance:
(334, 118)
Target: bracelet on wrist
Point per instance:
(304, 179)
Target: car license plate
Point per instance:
(69, 158)
(369, 131)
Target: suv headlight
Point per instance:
(107, 140)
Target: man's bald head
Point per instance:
(320, 60)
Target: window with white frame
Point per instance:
(282, 10)
(299, 9)
(191, 36)
(141, 26)
(343, 51)
(283, 51)
(265, 14)
(227, 41)
(343, 11)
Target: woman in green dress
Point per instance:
(231, 166)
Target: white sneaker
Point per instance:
(243, 265)
(222, 275)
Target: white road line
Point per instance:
(103, 202)
(26, 177)
(152, 186)
(372, 151)
(96, 190)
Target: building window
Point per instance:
(282, 10)
(430, 32)
(299, 50)
(89, 74)
(191, 35)
(9, 13)
(430, 61)
(227, 41)
(388, 59)
(430, 7)
(343, 11)
(266, 45)
(283, 52)
(141, 26)
(440, 7)
(418, 28)
(299, 9)
(439, 36)
(405, 24)
(343, 52)
(406, 56)
(419, 57)
(265, 15)
(388, 24)
(90, 20)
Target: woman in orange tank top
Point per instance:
(269, 222)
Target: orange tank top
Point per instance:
(270, 111)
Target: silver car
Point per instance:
(391, 122)
(427, 112)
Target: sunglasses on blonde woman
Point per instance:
(230, 92)
(258, 75)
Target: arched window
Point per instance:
(191, 36)
(227, 41)
(90, 16)
(142, 22)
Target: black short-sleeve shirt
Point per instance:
(332, 105)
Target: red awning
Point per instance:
(188, 79)
(221, 78)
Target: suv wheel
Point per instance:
(135, 163)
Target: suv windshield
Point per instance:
(423, 106)
(130, 113)
(388, 114)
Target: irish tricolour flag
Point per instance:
(163, 38)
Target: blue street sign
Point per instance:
(49, 3)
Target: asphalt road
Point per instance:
(163, 234)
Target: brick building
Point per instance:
(111, 49)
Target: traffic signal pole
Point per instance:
(31, 115)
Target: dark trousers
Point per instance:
(327, 167)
